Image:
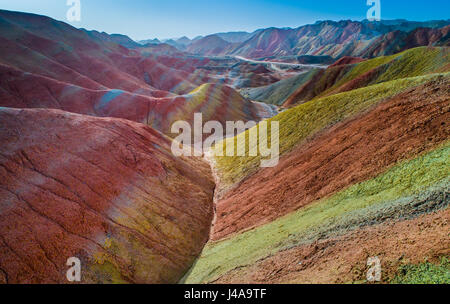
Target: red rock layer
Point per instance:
(105, 190)
(348, 153)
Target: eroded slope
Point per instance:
(107, 191)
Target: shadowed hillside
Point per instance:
(330, 38)
(363, 172)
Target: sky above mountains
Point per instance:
(144, 19)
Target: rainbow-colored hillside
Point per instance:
(88, 171)
(364, 172)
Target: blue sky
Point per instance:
(142, 19)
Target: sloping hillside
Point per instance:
(209, 45)
(105, 190)
(87, 169)
(300, 123)
(19, 89)
(336, 39)
(342, 78)
(43, 46)
(278, 92)
(215, 101)
(398, 41)
(45, 63)
(363, 172)
(373, 183)
(334, 159)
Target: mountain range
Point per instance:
(337, 39)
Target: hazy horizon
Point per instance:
(149, 19)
